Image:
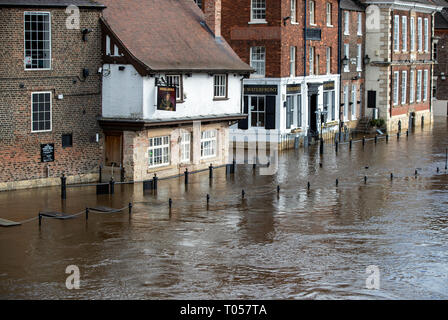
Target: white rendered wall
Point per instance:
(122, 92)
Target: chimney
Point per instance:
(212, 11)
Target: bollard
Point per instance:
(170, 203)
(309, 186)
(186, 175)
(321, 149)
(63, 187)
(208, 199)
(337, 146)
(233, 165)
(423, 121)
(154, 181)
(130, 209)
(391, 176)
(278, 189)
(351, 144)
(376, 139)
(446, 159)
(210, 171)
(243, 193)
(363, 141)
(407, 133)
(365, 179)
(87, 214)
(321, 164)
(416, 172)
(40, 219)
(387, 137)
(101, 173)
(112, 186)
(438, 170)
(398, 135)
(399, 125)
(337, 182)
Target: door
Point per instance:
(312, 114)
(113, 150)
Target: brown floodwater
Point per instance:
(299, 244)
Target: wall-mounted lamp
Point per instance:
(121, 68)
(285, 19)
(345, 61)
(85, 73)
(442, 76)
(366, 59)
(85, 32)
(189, 74)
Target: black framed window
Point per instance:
(37, 40)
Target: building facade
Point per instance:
(352, 33)
(171, 88)
(50, 92)
(399, 41)
(293, 47)
(440, 86)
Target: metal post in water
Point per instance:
(208, 199)
(407, 133)
(363, 141)
(365, 179)
(446, 159)
(210, 171)
(101, 173)
(376, 139)
(87, 214)
(130, 209)
(387, 137)
(233, 165)
(416, 172)
(398, 135)
(278, 189)
(309, 186)
(423, 121)
(321, 149)
(186, 175)
(170, 203)
(351, 144)
(337, 182)
(112, 185)
(40, 219)
(243, 193)
(337, 146)
(391, 176)
(63, 187)
(154, 181)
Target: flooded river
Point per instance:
(299, 244)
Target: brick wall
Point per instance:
(75, 114)
(442, 65)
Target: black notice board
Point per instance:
(47, 152)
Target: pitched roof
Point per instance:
(351, 5)
(170, 35)
(51, 3)
(441, 20)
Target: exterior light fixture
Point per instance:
(345, 61)
(85, 32)
(442, 76)
(366, 59)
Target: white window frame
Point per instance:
(185, 147)
(260, 62)
(359, 24)
(347, 55)
(396, 83)
(257, 11)
(209, 137)
(294, 11)
(426, 34)
(259, 114)
(396, 33)
(329, 12)
(354, 101)
(328, 61)
(425, 84)
(404, 82)
(412, 86)
(24, 39)
(420, 34)
(312, 13)
(177, 84)
(346, 23)
(346, 102)
(419, 85)
(220, 86)
(404, 33)
(359, 57)
(292, 61)
(51, 111)
(311, 60)
(412, 30)
(166, 152)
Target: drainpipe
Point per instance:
(304, 39)
(339, 64)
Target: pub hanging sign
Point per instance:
(166, 98)
(47, 152)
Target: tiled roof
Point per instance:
(170, 35)
(51, 3)
(351, 5)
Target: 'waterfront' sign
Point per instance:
(261, 89)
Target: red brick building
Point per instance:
(293, 46)
(353, 62)
(50, 92)
(399, 75)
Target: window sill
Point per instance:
(330, 26)
(42, 131)
(313, 24)
(150, 168)
(257, 22)
(220, 99)
(346, 34)
(40, 69)
(294, 23)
